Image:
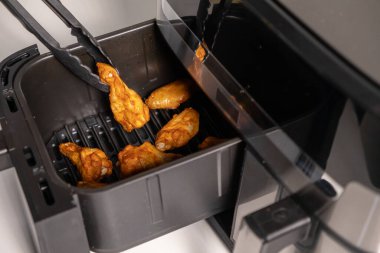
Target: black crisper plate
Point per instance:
(102, 131)
(59, 107)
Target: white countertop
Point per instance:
(98, 16)
(195, 238)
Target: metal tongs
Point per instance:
(63, 55)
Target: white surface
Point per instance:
(196, 238)
(361, 207)
(347, 161)
(98, 16)
(16, 235)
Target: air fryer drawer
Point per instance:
(169, 197)
(128, 211)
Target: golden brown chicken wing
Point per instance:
(179, 130)
(136, 159)
(127, 106)
(170, 96)
(200, 52)
(210, 141)
(92, 163)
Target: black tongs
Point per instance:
(63, 55)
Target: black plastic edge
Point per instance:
(214, 224)
(41, 193)
(21, 152)
(10, 65)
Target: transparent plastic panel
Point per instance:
(286, 112)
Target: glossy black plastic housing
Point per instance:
(131, 211)
(55, 217)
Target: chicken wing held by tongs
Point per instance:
(127, 106)
(63, 55)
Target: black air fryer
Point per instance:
(270, 85)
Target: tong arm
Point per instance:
(78, 30)
(70, 61)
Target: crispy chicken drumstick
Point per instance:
(136, 159)
(170, 96)
(127, 106)
(92, 163)
(179, 130)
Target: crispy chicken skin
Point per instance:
(210, 141)
(170, 96)
(179, 130)
(127, 106)
(200, 52)
(134, 159)
(92, 163)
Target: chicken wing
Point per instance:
(92, 163)
(200, 52)
(127, 106)
(136, 159)
(170, 96)
(179, 130)
(210, 141)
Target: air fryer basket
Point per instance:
(102, 131)
(130, 211)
